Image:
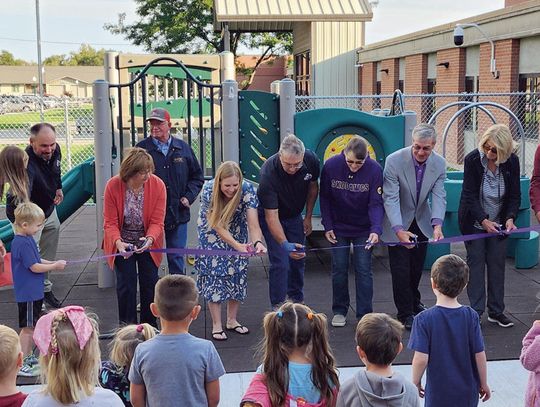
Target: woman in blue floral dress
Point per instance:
(228, 212)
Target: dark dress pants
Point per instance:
(486, 256)
(406, 267)
(126, 287)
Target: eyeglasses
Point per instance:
(416, 147)
(295, 166)
(488, 149)
(357, 162)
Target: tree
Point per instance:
(7, 58)
(85, 56)
(56, 60)
(186, 27)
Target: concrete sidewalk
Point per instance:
(507, 380)
(78, 285)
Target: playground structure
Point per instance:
(222, 123)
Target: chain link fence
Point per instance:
(462, 130)
(72, 118)
(74, 123)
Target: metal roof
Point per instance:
(279, 15)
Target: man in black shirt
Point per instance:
(45, 184)
(288, 182)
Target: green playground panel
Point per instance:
(258, 130)
(316, 129)
(177, 108)
(203, 74)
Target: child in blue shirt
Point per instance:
(447, 340)
(27, 269)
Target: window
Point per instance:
(528, 105)
(471, 119)
(302, 67)
(430, 106)
(377, 101)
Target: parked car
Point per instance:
(13, 104)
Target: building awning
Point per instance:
(279, 15)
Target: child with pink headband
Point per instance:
(67, 339)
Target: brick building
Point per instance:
(428, 62)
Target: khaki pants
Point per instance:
(47, 241)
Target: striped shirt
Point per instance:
(492, 191)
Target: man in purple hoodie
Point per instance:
(352, 212)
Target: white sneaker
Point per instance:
(339, 320)
(29, 368)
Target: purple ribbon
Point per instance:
(221, 252)
(185, 251)
(453, 239)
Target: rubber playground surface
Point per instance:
(78, 285)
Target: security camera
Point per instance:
(458, 36)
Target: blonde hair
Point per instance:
(71, 374)
(126, 340)
(13, 172)
(27, 212)
(500, 136)
(10, 347)
(222, 211)
(136, 160)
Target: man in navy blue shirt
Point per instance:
(288, 183)
(179, 169)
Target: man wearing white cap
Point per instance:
(179, 169)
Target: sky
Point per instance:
(66, 24)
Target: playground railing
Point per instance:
(464, 132)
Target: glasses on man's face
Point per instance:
(488, 149)
(416, 147)
(357, 162)
(293, 166)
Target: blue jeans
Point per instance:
(362, 274)
(286, 275)
(176, 238)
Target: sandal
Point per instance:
(239, 329)
(219, 336)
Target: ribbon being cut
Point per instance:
(219, 252)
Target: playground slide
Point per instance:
(78, 187)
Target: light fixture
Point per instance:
(458, 40)
(445, 64)
(385, 70)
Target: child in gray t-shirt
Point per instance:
(175, 368)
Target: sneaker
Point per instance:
(501, 320)
(51, 300)
(32, 360)
(139, 307)
(28, 370)
(339, 320)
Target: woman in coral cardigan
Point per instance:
(134, 211)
